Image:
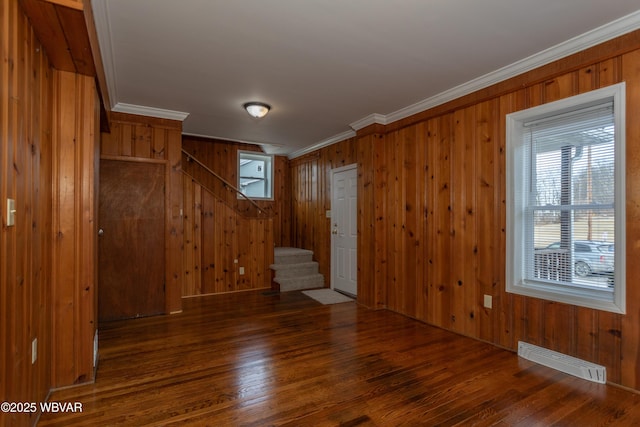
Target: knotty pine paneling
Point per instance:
(627, 328)
(432, 215)
(75, 251)
(219, 228)
(222, 158)
(218, 241)
(147, 139)
(138, 137)
(25, 248)
(311, 198)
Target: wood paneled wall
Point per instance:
(218, 241)
(432, 215)
(25, 249)
(220, 229)
(145, 139)
(311, 198)
(75, 247)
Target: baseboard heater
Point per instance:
(562, 362)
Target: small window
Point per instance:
(565, 200)
(255, 175)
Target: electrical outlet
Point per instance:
(241, 271)
(34, 350)
(488, 301)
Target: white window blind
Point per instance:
(569, 219)
(566, 200)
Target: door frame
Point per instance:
(353, 166)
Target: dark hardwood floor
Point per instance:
(258, 360)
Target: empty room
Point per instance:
(331, 213)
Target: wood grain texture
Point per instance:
(311, 198)
(439, 178)
(143, 139)
(132, 246)
(218, 241)
(222, 158)
(256, 360)
(62, 28)
(25, 249)
(626, 329)
(223, 232)
(74, 220)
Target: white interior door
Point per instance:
(344, 229)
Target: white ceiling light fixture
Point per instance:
(257, 109)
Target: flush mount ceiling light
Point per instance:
(257, 109)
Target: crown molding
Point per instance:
(589, 39)
(371, 119)
(141, 110)
(324, 143)
(103, 29)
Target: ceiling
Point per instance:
(329, 67)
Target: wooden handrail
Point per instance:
(227, 183)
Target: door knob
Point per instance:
(100, 232)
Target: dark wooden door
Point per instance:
(131, 246)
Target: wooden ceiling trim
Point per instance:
(67, 32)
(48, 29)
(73, 4)
(75, 32)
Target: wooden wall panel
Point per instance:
(311, 198)
(75, 141)
(25, 249)
(224, 233)
(627, 329)
(147, 139)
(222, 158)
(432, 215)
(215, 236)
(139, 137)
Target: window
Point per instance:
(255, 174)
(565, 200)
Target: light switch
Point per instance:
(34, 350)
(488, 301)
(11, 212)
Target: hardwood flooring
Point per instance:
(250, 359)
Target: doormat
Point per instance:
(327, 296)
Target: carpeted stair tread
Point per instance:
(290, 251)
(292, 255)
(294, 269)
(301, 282)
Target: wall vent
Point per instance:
(562, 362)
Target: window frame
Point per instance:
(516, 180)
(269, 161)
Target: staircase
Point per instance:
(295, 269)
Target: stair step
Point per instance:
(298, 283)
(294, 270)
(284, 255)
